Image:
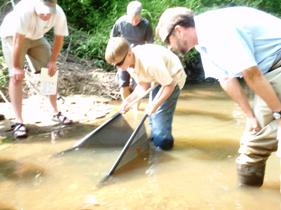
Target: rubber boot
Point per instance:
(251, 175)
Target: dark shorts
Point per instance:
(125, 80)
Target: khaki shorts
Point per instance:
(38, 51)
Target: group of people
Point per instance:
(235, 42)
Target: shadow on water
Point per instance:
(204, 96)
(139, 167)
(204, 113)
(139, 164)
(6, 207)
(53, 132)
(136, 164)
(19, 171)
(144, 161)
(204, 149)
(209, 91)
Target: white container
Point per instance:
(48, 84)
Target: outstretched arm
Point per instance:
(136, 95)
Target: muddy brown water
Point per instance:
(198, 174)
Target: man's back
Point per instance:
(242, 34)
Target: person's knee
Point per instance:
(15, 82)
(163, 143)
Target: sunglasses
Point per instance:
(122, 61)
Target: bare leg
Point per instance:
(58, 116)
(15, 92)
(53, 102)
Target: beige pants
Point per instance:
(39, 52)
(256, 148)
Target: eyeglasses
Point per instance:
(122, 61)
(172, 30)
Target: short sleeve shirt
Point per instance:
(139, 34)
(231, 40)
(155, 63)
(24, 20)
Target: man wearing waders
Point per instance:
(237, 42)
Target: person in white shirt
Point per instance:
(151, 63)
(237, 42)
(22, 33)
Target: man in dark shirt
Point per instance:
(136, 30)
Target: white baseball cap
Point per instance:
(46, 6)
(134, 8)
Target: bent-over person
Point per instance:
(22, 33)
(151, 63)
(237, 42)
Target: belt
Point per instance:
(275, 65)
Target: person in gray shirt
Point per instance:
(136, 30)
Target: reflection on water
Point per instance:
(16, 170)
(198, 174)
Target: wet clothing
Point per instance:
(155, 63)
(161, 121)
(135, 35)
(256, 148)
(241, 38)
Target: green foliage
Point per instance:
(91, 20)
(85, 14)
(3, 73)
(96, 17)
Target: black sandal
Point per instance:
(2, 117)
(20, 131)
(62, 119)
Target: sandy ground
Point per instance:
(37, 112)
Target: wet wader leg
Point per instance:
(161, 121)
(256, 148)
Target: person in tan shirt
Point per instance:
(151, 63)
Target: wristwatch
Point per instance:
(277, 115)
